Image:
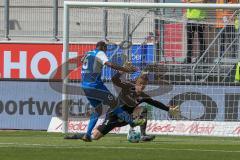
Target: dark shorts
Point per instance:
(110, 122)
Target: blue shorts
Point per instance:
(98, 95)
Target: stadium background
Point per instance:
(32, 38)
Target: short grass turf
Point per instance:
(40, 145)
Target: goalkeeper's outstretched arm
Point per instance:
(120, 68)
(173, 110)
(154, 103)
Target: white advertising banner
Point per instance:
(79, 126)
(190, 128)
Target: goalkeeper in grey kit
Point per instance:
(130, 96)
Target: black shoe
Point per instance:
(86, 138)
(147, 138)
(75, 136)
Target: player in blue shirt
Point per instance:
(94, 88)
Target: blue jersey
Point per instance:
(92, 68)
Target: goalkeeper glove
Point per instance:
(174, 111)
(138, 122)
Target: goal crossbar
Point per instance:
(121, 5)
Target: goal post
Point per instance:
(208, 99)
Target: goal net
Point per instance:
(191, 61)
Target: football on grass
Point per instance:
(133, 136)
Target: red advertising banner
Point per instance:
(173, 40)
(38, 61)
(44, 60)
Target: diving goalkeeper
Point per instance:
(130, 96)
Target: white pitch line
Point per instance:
(25, 145)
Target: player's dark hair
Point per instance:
(101, 45)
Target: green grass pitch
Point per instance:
(40, 145)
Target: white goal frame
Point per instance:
(114, 5)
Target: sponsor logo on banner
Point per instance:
(178, 127)
(236, 130)
(192, 128)
(37, 61)
(33, 107)
(79, 126)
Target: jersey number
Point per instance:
(85, 62)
